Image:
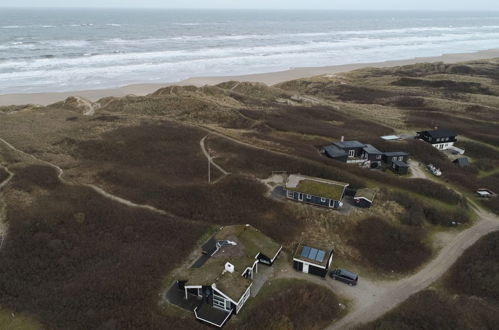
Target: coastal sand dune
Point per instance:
(266, 78)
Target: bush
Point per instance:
(430, 309)
(76, 260)
(290, 304)
(475, 272)
(390, 248)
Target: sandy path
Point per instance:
(97, 189)
(3, 225)
(417, 171)
(210, 159)
(389, 295)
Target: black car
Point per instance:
(345, 276)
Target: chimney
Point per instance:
(342, 138)
(229, 267)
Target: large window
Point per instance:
(221, 302)
(351, 153)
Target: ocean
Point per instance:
(64, 50)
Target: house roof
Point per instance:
(370, 149)
(249, 242)
(395, 153)
(366, 193)
(253, 240)
(313, 253)
(349, 144)
(439, 133)
(316, 186)
(334, 151)
(462, 161)
(400, 164)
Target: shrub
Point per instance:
(76, 260)
(290, 304)
(390, 248)
(475, 272)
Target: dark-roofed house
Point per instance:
(364, 197)
(399, 167)
(315, 191)
(222, 284)
(390, 157)
(354, 152)
(441, 139)
(345, 151)
(313, 259)
(462, 162)
(373, 155)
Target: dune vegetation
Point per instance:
(108, 259)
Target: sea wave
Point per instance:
(175, 56)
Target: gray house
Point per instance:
(390, 157)
(221, 284)
(315, 191)
(354, 152)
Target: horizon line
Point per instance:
(244, 9)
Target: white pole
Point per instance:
(209, 170)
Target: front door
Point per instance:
(305, 268)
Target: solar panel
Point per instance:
(320, 256)
(305, 251)
(313, 254)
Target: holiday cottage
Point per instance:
(222, 282)
(315, 191)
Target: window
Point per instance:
(290, 194)
(309, 197)
(323, 200)
(351, 153)
(394, 159)
(401, 158)
(378, 156)
(220, 302)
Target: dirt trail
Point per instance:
(3, 225)
(97, 189)
(386, 296)
(416, 170)
(210, 159)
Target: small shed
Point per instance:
(364, 197)
(313, 259)
(462, 162)
(399, 167)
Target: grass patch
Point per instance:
(390, 248)
(290, 304)
(467, 296)
(14, 321)
(475, 272)
(76, 260)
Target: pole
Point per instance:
(209, 170)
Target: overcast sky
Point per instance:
(273, 4)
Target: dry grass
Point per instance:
(314, 307)
(76, 260)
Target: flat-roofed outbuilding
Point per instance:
(313, 258)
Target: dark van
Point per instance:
(345, 276)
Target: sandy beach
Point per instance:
(266, 78)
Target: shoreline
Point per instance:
(269, 78)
